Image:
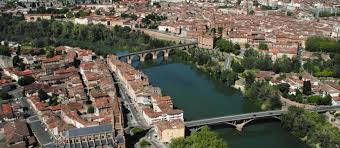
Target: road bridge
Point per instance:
(239, 121)
(155, 52)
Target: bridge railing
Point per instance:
(215, 120)
(157, 49)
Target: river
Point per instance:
(201, 97)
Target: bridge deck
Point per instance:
(231, 118)
(157, 49)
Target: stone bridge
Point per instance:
(239, 121)
(154, 52)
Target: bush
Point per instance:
(26, 80)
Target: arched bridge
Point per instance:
(155, 52)
(239, 121)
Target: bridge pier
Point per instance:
(129, 59)
(154, 55)
(239, 126)
(166, 53)
(142, 57)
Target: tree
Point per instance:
(237, 49)
(237, 67)
(225, 46)
(307, 88)
(249, 79)
(283, 88)
(337, 65)
(229, 77)
(43, 95)
(263, 46)
(4, 50)
(90, 109)
(4, 95)
(247, 45)
(204, 138)
(26, 80)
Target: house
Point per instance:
(336, 100)
(168, 130)
(7, 111)
(16, 133)
(206, 41)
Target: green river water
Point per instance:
(201, 97)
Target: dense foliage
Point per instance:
(204, 138)
(26, 80)
(255, 60)
(101, 39)
(317, 44)
(204, 62)
(227, 46)
(322, 68)
(264, 95)
(4, 50)
(312, 127)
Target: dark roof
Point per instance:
(120, 139)
(88, 130)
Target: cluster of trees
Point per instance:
(204, 138)
(4, 95)
(101, 39)
(328, 14)
(305, 96)
(152, 21)
(126, 15)
(205, 63)
(322, 68)
(4, 50)
(255, 60)
(263, 94)
(43, 96)
(227, 46)
(319, 44)
(26, 80)
(312, 127)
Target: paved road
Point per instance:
(41, 134)
(136, 118)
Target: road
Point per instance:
(136, 118)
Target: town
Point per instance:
(69, 77)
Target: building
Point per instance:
(35, 17)
(94, 136)
(168, 130)
(7, 111)
(206, 41)
(17, 133)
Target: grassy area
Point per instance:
(144, 144)
(136, 130)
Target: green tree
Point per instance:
(26, 80)
(307, 88)
(249, 79)
(225, 46)
(229, 77)
(336, 68)
(263, 46)
(4, 50)
(4, 95)
(204, 138)
(237, 67)
(90, 109)
(283, 88)
(43, 95)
